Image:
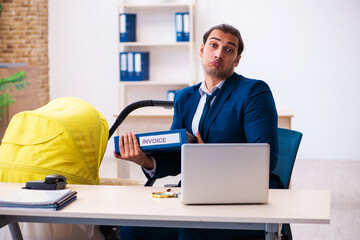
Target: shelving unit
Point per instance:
(171, 65)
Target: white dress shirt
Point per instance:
(203, 92)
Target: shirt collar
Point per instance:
(203, 89)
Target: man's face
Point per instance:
(219, 54)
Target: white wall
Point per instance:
(308, 51)
(83, 51)
(83, 45)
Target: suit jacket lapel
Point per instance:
(219, 101)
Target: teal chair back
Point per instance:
(288, 142)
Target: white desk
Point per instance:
(134, 206)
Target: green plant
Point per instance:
(6, 84)
(1, 8)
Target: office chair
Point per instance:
(288, 142)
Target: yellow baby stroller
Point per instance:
(68, 136)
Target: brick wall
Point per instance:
(24, 38)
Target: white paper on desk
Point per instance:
(34, 197)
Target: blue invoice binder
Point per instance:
(163, 141)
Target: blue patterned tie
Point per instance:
(205, 112)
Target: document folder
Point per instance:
(163, 141)
(130, 66)
(141, 61)
(182, 26)
(179, 27)
(28, 198)
(123, 66)
(127, 23)
(186, 20)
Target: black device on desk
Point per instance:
(51, 182)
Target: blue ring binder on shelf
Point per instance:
(179, 26)
(127, 23)
(186, 20)
(182, 26)
(134, 66)
(141, 66)
(123, 66)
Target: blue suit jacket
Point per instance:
(243, 112)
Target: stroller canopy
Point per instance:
(67, 136)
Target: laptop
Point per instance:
(225, 173)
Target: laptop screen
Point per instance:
(225, 173)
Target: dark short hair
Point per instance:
(226, 28)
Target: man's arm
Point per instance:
(260, 119)
(130, 151)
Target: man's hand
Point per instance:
(130, 151)
(198, 136)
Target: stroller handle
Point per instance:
(139, 104)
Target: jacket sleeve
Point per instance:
(260, 119)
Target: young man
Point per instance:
(224, 108)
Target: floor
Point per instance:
(341, 177)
